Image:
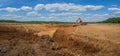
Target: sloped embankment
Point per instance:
(80, 45)
(16, 41)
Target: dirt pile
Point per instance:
(27, 40)
(16, 41)
(81, 45)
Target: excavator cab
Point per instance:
(79, 22)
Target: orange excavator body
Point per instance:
(79, 22)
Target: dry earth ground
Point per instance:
(59, 40)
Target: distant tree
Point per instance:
(112, 20)
(7, 21)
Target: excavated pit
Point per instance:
(84, 45)
(16, 40)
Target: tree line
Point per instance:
(112, 20)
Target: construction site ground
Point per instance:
(59, 40)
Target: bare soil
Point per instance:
(59, 40)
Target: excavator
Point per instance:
(79, 22)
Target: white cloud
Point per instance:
(33, 13)
(10, 9)
(101, 15)
(114, 9)
(9, 15)
(26, 8)
(39, 6)
(96, 17)
(65, 14)
(93, 7)
(114, 5)
(12, 17)
(106, 14)
(57, 7)
(70, 7)
(117, 12)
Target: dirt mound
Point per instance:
(16, 41)
(84, 45)
(27, 40)
(50, 33)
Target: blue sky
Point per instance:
(59, 10)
